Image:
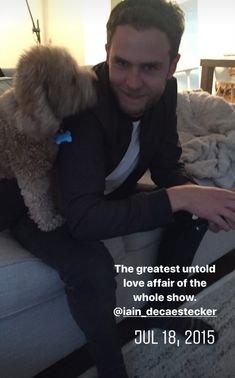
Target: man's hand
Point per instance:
(213, 227)
(214, 204)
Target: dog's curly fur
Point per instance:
(48, 86)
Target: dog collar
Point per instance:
(63, 136)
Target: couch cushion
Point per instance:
(140, 240)
(116, 248)
(24, 280)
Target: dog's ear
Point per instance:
(34, 116)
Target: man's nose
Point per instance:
(133, 79)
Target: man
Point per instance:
(131, 129)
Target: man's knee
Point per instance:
(96, 280)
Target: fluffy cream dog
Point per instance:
(48, 86)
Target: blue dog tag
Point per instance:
(63, 137)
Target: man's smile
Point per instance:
(132, 95)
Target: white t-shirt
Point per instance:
(127, 164)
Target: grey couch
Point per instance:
(36, 327)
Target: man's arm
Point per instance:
(91, 215)
(214, 204)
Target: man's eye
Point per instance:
(122, 63)
(150, 67)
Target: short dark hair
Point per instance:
(144, 14)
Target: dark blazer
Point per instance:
(100, 139)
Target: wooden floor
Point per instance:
(79, 361)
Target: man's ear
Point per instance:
(173, 66)
(107, 53)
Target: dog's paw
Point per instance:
(51, 224)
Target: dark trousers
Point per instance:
(178, 247)
(12, 205)
(87, 270)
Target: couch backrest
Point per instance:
(5, 83)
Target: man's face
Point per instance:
(139, 66)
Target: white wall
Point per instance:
(95, 16)
(209, 33)
(64, 25)
(16, 29)
(210, 30)
(80, 25)
(216, 28)
(189, 43)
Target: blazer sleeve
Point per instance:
(90, 214)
